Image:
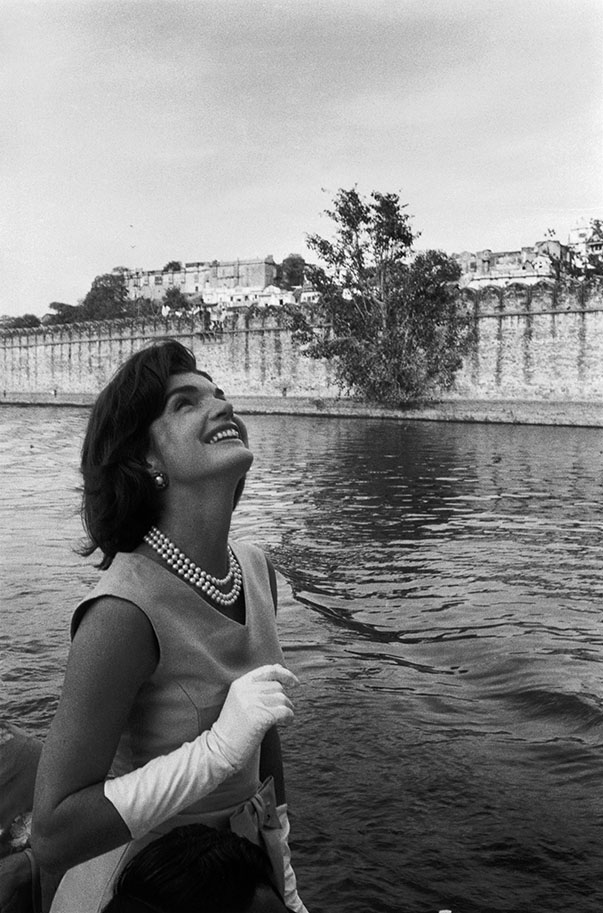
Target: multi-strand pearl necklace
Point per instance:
(213, 587)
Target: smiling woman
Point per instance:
(174, 684)
(196, 416)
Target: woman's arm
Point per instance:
(112, 654)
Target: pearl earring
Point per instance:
(161, 481)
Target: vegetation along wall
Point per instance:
(535, 342)
(538, 342)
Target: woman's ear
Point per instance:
(160, 480)
(152, 460)
(158, 475)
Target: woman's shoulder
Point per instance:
(246, 545)
(112, 612)
(254, 558)
(260, 564)
(119, 590)
(250, 551)
(128, 574)
(117, 629)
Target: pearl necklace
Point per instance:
(209, 586)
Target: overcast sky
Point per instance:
(135, 132)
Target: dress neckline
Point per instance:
(165, 572)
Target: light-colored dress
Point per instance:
(201, 652)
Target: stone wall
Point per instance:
(535, 342)
(249, 357)
(540, 343)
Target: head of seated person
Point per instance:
(197, 869)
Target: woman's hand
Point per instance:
(255, 703)
(149, 795)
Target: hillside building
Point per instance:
(200, 278)
(527, 265)
(545, 259)
(586, 239)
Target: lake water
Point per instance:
(441, 601)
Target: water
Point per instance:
(441, 598)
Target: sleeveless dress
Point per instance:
(201, 652)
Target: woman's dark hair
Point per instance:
(120, 501)
(192, 869)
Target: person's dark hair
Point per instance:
(120, 501)
(192, 869)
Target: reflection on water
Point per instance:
(441, 595)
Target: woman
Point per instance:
(174, 683)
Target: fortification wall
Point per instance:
(249, 357)
(541, 342)
(535, 342)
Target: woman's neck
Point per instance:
(202, 533)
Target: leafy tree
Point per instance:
(63, 313)
(140, 307)
(25, 321)
(292, 271)
(175, 300)
(107, 298)
(174, 266)
(389, 320)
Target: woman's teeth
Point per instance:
(224, 435)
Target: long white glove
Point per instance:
(291, 898)
(164, 786)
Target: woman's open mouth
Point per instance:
(225, 435)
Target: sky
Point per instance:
(135, 132)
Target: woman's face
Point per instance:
(197, 436)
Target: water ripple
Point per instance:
(440, 598)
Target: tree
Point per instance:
(390, 321)
(25, 321)
(292, 271)
(107, 298)
(175, 300)
(174, 266)
(63, 313)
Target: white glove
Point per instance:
(164, 786)
(292, 899)
(254, 703)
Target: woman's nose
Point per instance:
(224, 407)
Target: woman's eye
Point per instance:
(180, 403)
